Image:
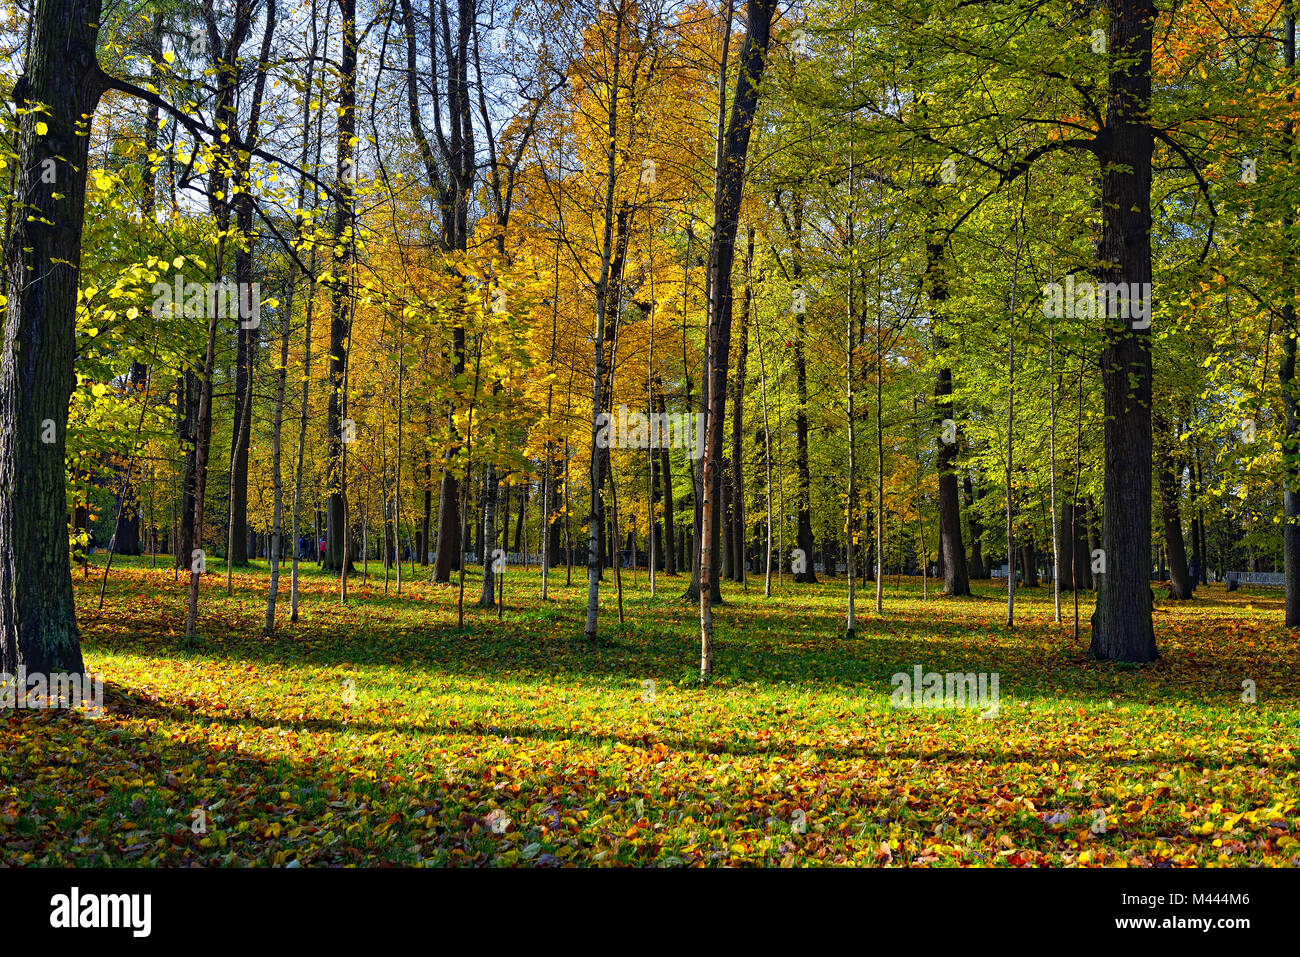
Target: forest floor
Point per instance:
(380, 733)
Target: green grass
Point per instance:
(378, 732)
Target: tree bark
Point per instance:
(1286, 374)
(975, 568)
(951, 550)
(126, 535)
(487, 593)
(1180, 584)
(803, 529)
(738, 419)
(722, 250)
(336, 551)
(38, 622)
(1121, 625)
(665, 481)
(606, 317)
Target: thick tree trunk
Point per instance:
(447, 554)
(1029, 565)
(1121, 625)
(38, 622)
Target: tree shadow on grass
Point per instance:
(754, 643)
(126, 704)
(120, 777)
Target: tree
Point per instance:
(1121, 625)
(60, 87)
(722, 251)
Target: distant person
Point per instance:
(1194, 571)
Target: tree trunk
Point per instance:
(728, 518)
(952, 553)
(426, 523)
(803, 534)
(38, 622)
(519, 519)
(665, 477)
(1090, 545)
(737, 489)
(1121, 625)
(1180, 584)
(1065, 548)
(277, 485)
(126, 535)
(187, 429)
(1029, 565)
(975, 568)
(1286, 375)
(341, 299)
(722, 250)
(487, 594)
(604, 296)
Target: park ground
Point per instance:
(378, 732)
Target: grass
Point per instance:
(379, 733)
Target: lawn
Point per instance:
(378, 733)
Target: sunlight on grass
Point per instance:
(379, 732)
